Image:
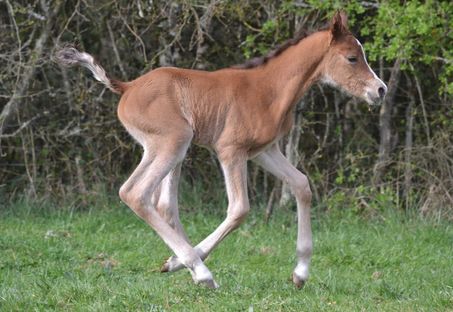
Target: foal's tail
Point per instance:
(69, 56)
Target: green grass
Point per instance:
(108, 260)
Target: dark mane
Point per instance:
(260, 60)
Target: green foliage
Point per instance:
(271, 32)
(415, 32)
(280, 25)
(351, 8)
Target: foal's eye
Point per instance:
(352, 59)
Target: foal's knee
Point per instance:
(301, 187)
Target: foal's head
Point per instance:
(345, 65)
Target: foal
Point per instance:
(239, 113)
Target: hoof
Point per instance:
(165, 267)
(300, 275)
(201, 275)
(209, 283)
(171, 265)
(298, 282)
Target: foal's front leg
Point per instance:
(165, 199)
(235, 172)
(275, 162)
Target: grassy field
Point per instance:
(106, 259)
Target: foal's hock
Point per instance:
(240, 113)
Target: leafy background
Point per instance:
(60, 138)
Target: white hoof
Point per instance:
(300, 275)
(209, 284)
(202, 275)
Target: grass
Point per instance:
(106, 259)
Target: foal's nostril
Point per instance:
(381, 92)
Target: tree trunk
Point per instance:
(291, 152)
(22, 86)
(169, 54)
(408, 150)
(203, 30)
(385, 130)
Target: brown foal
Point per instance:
(240, 114)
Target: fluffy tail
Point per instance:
(69, 56)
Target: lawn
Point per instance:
(106, 259)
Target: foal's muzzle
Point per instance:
(375, 93)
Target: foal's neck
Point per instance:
(295, 70)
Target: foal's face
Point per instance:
(345, 65)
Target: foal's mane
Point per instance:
(261, 60)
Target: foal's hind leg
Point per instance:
(136, 193)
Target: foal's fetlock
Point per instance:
(173, 263)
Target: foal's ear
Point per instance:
(339, 25)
